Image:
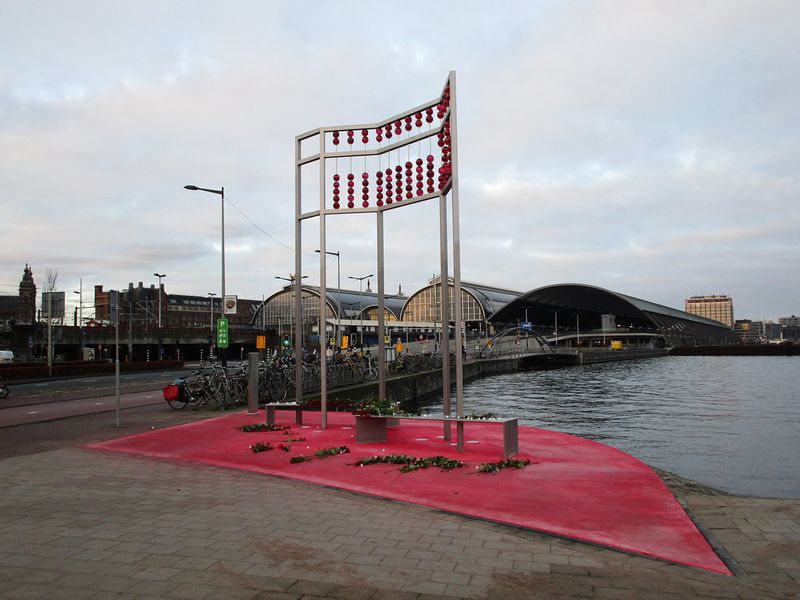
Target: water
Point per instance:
(731, 422)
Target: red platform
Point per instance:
(573, 488)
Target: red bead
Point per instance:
(336, 177)
(408, 165)
(398, 169)
(388, 172)
(350, 177)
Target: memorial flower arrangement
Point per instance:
(325, 452)
(507, 463)
(257, 427)
(374, 406)
(484, 416)
(411, 463)
(260, 447)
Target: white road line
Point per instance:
(35, 412)
(42, 384)
(97, 403)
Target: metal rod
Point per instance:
(444, 302)
(381, 315)
(459, 322)
(323, 298)
(298, 269)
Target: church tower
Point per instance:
(26, 308)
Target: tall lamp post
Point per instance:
(223, 352)
(160, 277)
(292, 279)
(361, 303)
(338, 297)
(211, 325)
(80, 316)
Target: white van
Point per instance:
(6, 356)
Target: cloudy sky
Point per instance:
(651, 148)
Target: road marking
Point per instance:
(148, 397)
(42, 384)
(90, 380)
(97, 403)
(35, 412)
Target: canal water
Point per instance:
(730, 422)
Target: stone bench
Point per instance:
(273, 406)
(372, 428)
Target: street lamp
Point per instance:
(360, 303)
(211, 325)
(338, 297)
(80, 316)
(223, 352)
(291, 279)
(160, 277)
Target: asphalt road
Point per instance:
(43, 401)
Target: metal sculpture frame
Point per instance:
(445, 104)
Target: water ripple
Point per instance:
(730, 422)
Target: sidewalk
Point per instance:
(81, 524)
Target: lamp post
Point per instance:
(338, 297)
(211, 325)
(80, 316)
(223, 352)
(556, 313)
(160, 277)
(361, 303)
(291, 279)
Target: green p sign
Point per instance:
(222, 333)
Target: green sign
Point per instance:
(222, 333)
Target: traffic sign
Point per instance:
(222, 333)
(387, 339)
(332, 341)
(525, 325)
(261, 342)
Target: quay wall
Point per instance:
(406, 388)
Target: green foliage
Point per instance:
(260, 447)
(325, 452)
(507, 463)
(484, 416)
(299, 459)
(258, 427)
(411, 463)
(373, 405)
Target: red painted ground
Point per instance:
(573, 487)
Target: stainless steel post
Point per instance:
(252, 384)
(381, 313)
(116, 370)
(445, 312)
(298, 270)
(323, 293)
(459, 322)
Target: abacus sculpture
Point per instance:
(374, 168)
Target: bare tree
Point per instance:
(50, 278)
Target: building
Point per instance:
(792, 321)
(749, 332)
(718, 308)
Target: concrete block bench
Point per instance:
(370, 429)
(273, 406)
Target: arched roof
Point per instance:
(353, 302)
(579, 297)
(490, 298)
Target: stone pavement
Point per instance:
(82, 524)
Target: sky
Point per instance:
(650, 148)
